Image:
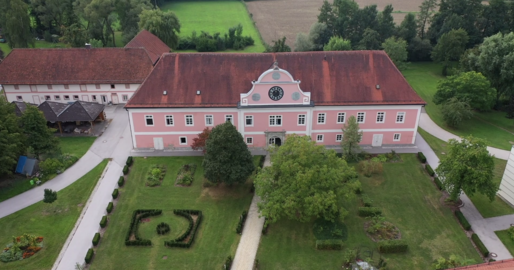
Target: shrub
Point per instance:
(240, 224)
(463, 221)
(50, 196)
(155, 175)
(370, 167)
(51, 166)
(429, 169)
(422, 157)
(191, 230)
(137, 216)
(109, 207)
(125, 170)
(129, 161)
(89, 255)
(96, 239)
(330, 244)
(115, 194)
(480, 245)
(228, 263)
(366, 200)
(438, 183)
(185, 175)
(511, 233)
(261, 161)
(163, 228)
(121, 181)
(265, 227)
(369, 211)
(392, 246)
(103, 222)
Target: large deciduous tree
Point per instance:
(455, 111)
(303, 43)
(468, 167)
(39, 137)
(305, 181)
(12, 140)
(396, 48)
(278, 46)
(128, 14)
(386, 26)
(319, 35)
(450, 47)
(200, 142)
(338, 44)
(227, 158)
(54, 13)
(370, 40)
(15, 22)
(351, 138)
(407, 29)
(164, 25)
(426, 12)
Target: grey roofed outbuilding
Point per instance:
(80, 111)
(20, 107)
(52, 109)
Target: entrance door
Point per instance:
(114, 99)
(158, 144)
(377, 139)
(275, 141)
(103, 99)
(36, 100)
(85, 98)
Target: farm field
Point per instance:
(407, 198)
(214, 16)
(215, 239)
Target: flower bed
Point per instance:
(186, 175)
(21, 247)
(379, 229)
(155, 175)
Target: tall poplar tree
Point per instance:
(351, 138)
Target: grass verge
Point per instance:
(506, 240)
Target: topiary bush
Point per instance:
(369, 211)
(125, 170)
(163, 228)
(228, 263)
(50, 196)
(129, 161)
(392, 246)
(463, 221)
(103, 222)
(109, 207)
(89, 255)
(121, 181)
(480, 245)
(241, 223)
(329, 244)
(422, 157)
(438, 183)
(115, 194)
(96, 239)
(429, 169)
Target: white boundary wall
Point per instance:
(506, 191)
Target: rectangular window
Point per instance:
(169, 120)
(339, 137)
(93, 97)
(209, 120)
(301, 119)
(183, 140)
(66, 97)
(249, 140)
(57, 97)
(381, 117)
(341, 117)
(113, 86)
(275, 120)
(49, 86)
(396, 137)
(48, 98)
(229, 118)
(321, 118)
(16, 87)
(189, 120)
(127, 86)
(249, 121)
(149, 120)
(75, 97)
(19, 98)
(124, 97)
(319, 138)
(360, 117)
(83, 87)
(97, 86)
(66, 86)
(400, 117)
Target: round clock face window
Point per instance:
(276, 93)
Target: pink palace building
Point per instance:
(271, 95)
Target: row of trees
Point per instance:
(205, 42)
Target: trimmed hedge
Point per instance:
(429, 169)
(241, 223)
(109, 207)
(121, 181)
(422, 157)
(89, 255)
(369, 211)
(463, 221)
(137, 216)
(228, 263)
(103, 222)
(191, 230)
(392, 246)
(438, 183)
(96, 239)
(115, 194)
(129, 161)
(480, 245)
(366, 200)
(125, 170)
(329, 244)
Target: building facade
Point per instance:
(268, 96)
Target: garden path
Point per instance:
(251, 236)
(484, 228)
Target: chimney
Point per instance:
(88, 46)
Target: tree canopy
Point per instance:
(397, 51)
(450, 46)
(165, 25)
(227, 158)
(278, 46)
(12, 140)
(351, 138)
(15, 21)
(338, 44)
(455, 111)
(468, 166)
(305, 181)
(41, 139)
(200, 141)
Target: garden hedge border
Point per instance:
(438, 183)
(191, 230)
(115, 194)
(429, 170)
(125, 170)
(463, 221)
(422, 157)
(392, 246)
(109, 207)
(89, 255)
(369, 211)
(329, 244)
(96, 239)
(121, 181)
(241, 223)
(480, 245)
(228, 263)
(103, 222)
(134, 226)
(129, 162)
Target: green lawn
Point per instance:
(215, 16)
(76, 146)
(487, 208)
(424, 76)
(216, 237)
(408, 199)
(52, 221)
(506, 240)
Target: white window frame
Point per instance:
(49, 86)
(166, 120)
(229, 116)
(339, 140)
(324, 115)
(318, 136)
(275, 118)
(83, 87)
(212, 120)
(251, 139)
(19, 98)
(341, 114)
(76, 97)
(403, 117)
(399, 137)
(246, 123)
(66, 97)
(48, 97)
(16, 87)
(124, 97)
(146, 120)
(192, 120)
(383, 117)
(93, 97)
(57, 97)
(363, 117)
(302, 117)
(180, 140)
(66, 86)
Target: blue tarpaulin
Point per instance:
(26, 165)
(21, 163)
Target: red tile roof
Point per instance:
(75, 66)
(153, 45)
(333, 78)
(499, 265)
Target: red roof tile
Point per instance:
(75, 66)
(499, 265)
(153, 45)
(333, 78)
